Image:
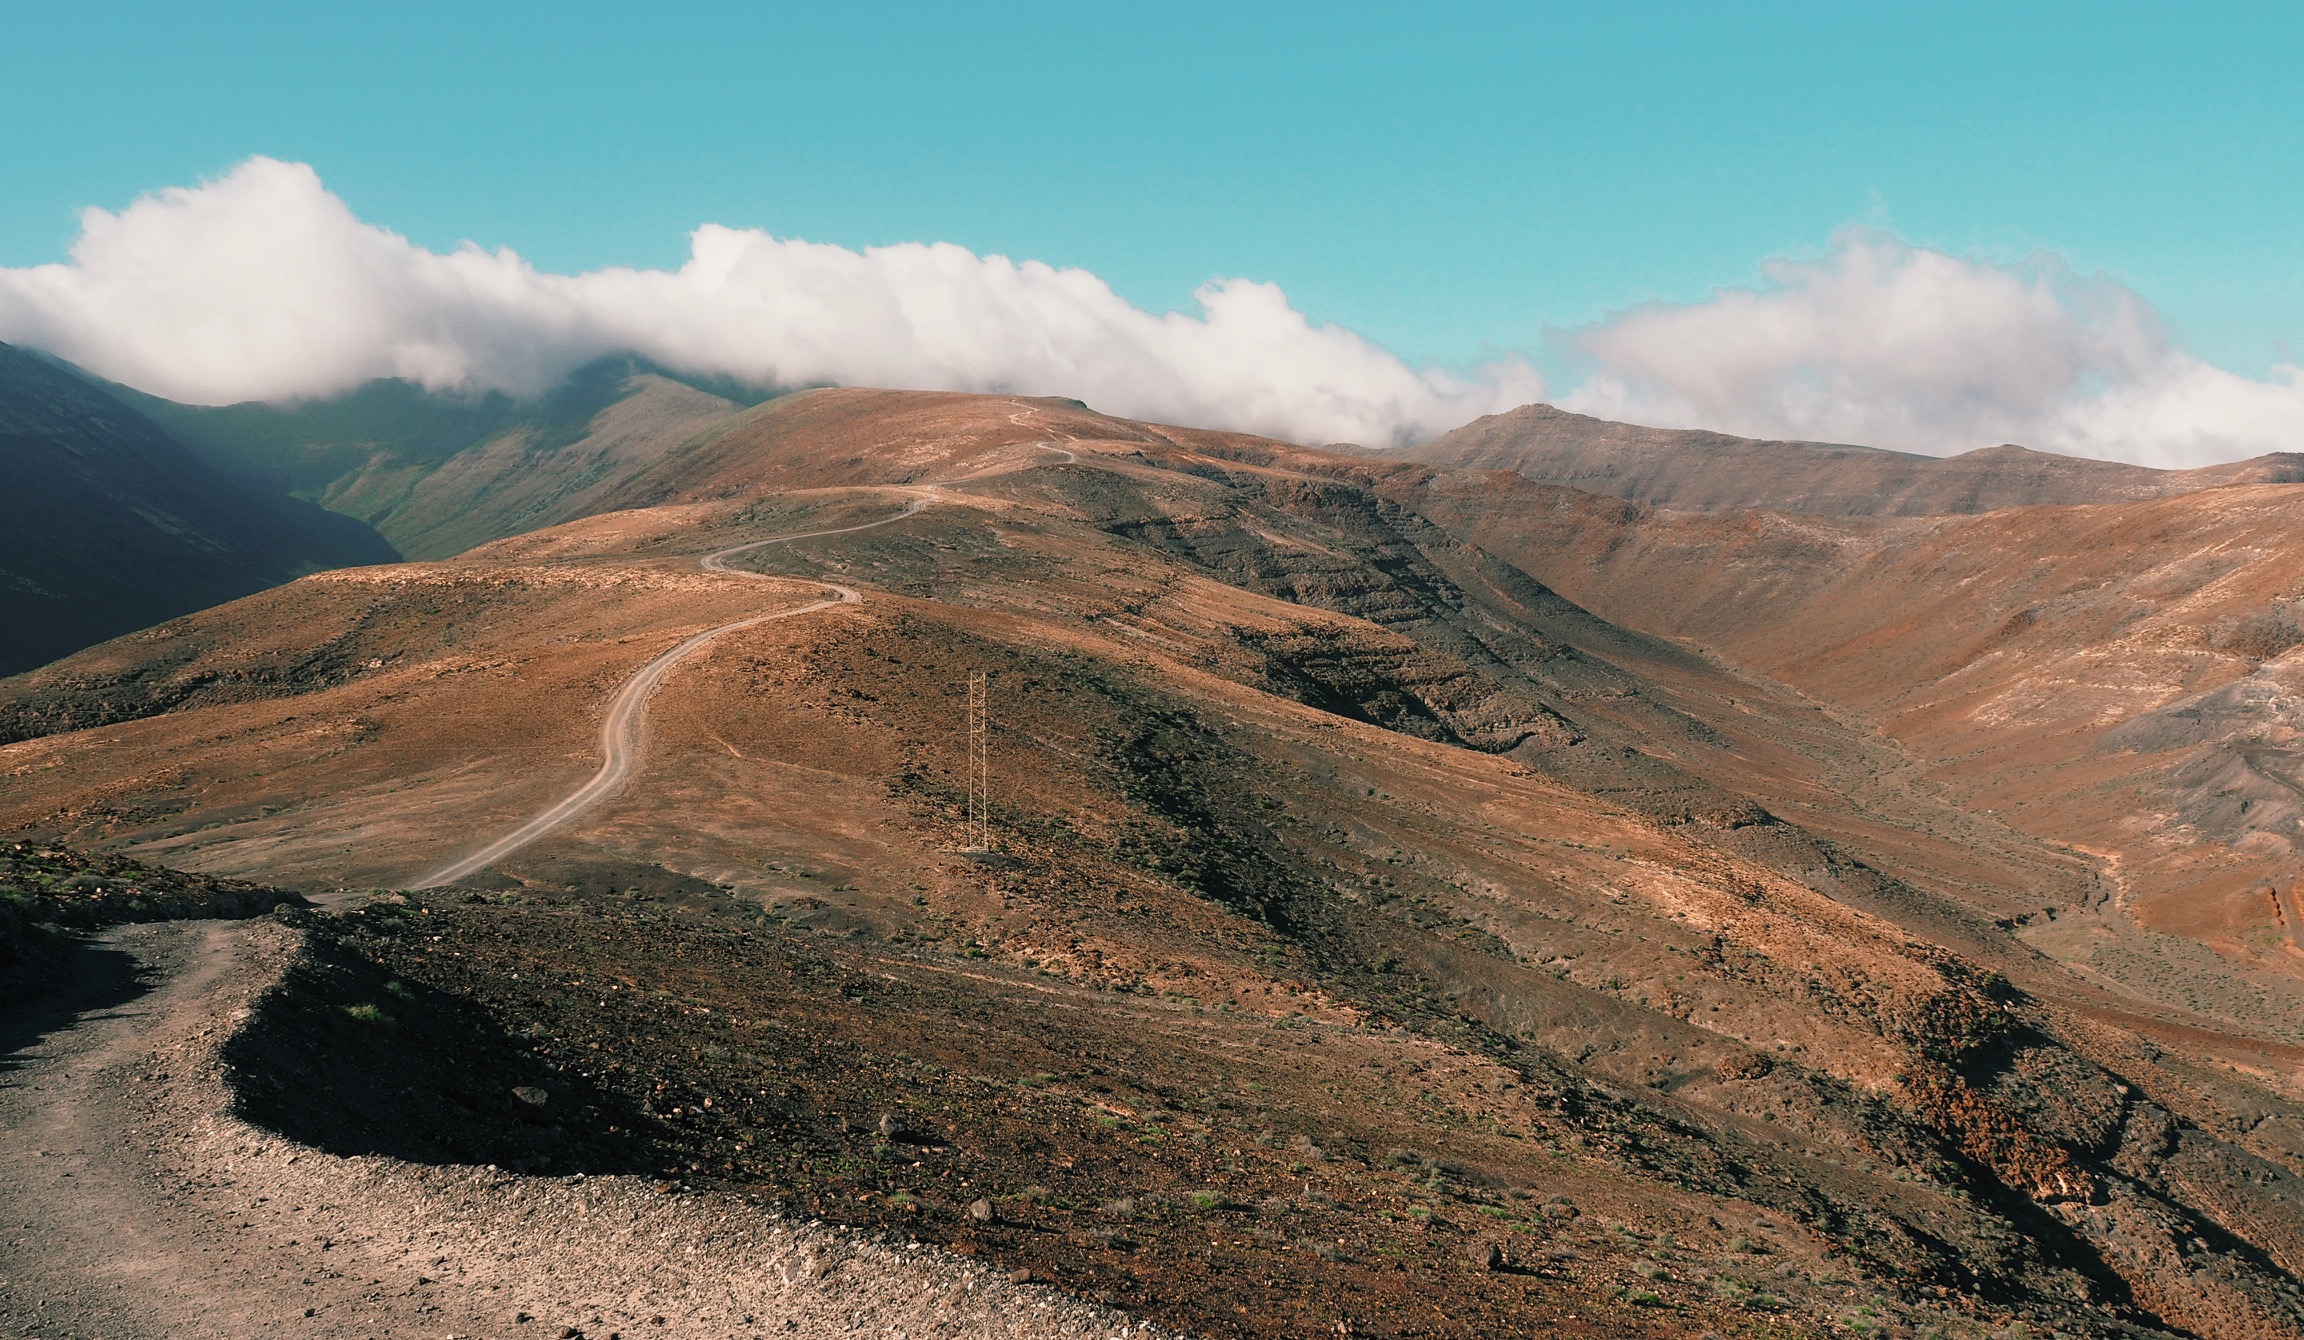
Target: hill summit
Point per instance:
(1371, 897)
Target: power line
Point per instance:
(979, 823)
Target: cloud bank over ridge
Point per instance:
(1887, 344)
(261, 285)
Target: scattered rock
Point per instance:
(531, 1095)
(1487, 1256)
(1021, 1274)
(980, 1210)
(891, 1126)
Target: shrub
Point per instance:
(2262, 639)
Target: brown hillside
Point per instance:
(1359, 902)
(2113, 679)
(1714, 472)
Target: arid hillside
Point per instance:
(107, 523)
(2111, 679)
(1695, 470)
(1389, 927)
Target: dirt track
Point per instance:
(621, 725)
(133, 1204)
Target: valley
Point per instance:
(109, 524)
(1426, 900)
(2118, 690)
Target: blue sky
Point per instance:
(1450, 185)
(1445, 183)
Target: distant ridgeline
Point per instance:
(119, 510)
(109, 524)
(437, 473)
(1694, 470)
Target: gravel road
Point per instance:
(134, 1204)
(623, 725)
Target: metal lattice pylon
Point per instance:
(979, 832)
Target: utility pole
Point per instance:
(979, 823)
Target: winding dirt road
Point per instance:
(134, 1205)
(623, 728)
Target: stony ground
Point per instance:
(47, 890)
(1214, 1172)
(1360, 906)
(134, 1204)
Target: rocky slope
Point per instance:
(137, 1204)
(2115, 679)
(1360, 903)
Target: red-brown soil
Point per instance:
(1692, 470)
(2114, 680)
(1327, 830)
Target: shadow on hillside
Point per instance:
(345, 1058)
(54, 981)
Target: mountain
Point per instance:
(1704, 471)
(108, 523)
(437, 473)
(1418, 902)
(2121, 679)
(127, 509)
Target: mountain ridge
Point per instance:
(1700, 470)
(110, 524)
(1370, 893)
(437, 473)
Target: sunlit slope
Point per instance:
(1704, 471)
(2116, 678)
(1272, 739)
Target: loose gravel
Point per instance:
(133, 1203)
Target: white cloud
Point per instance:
(1887, 344)
(263, 285)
